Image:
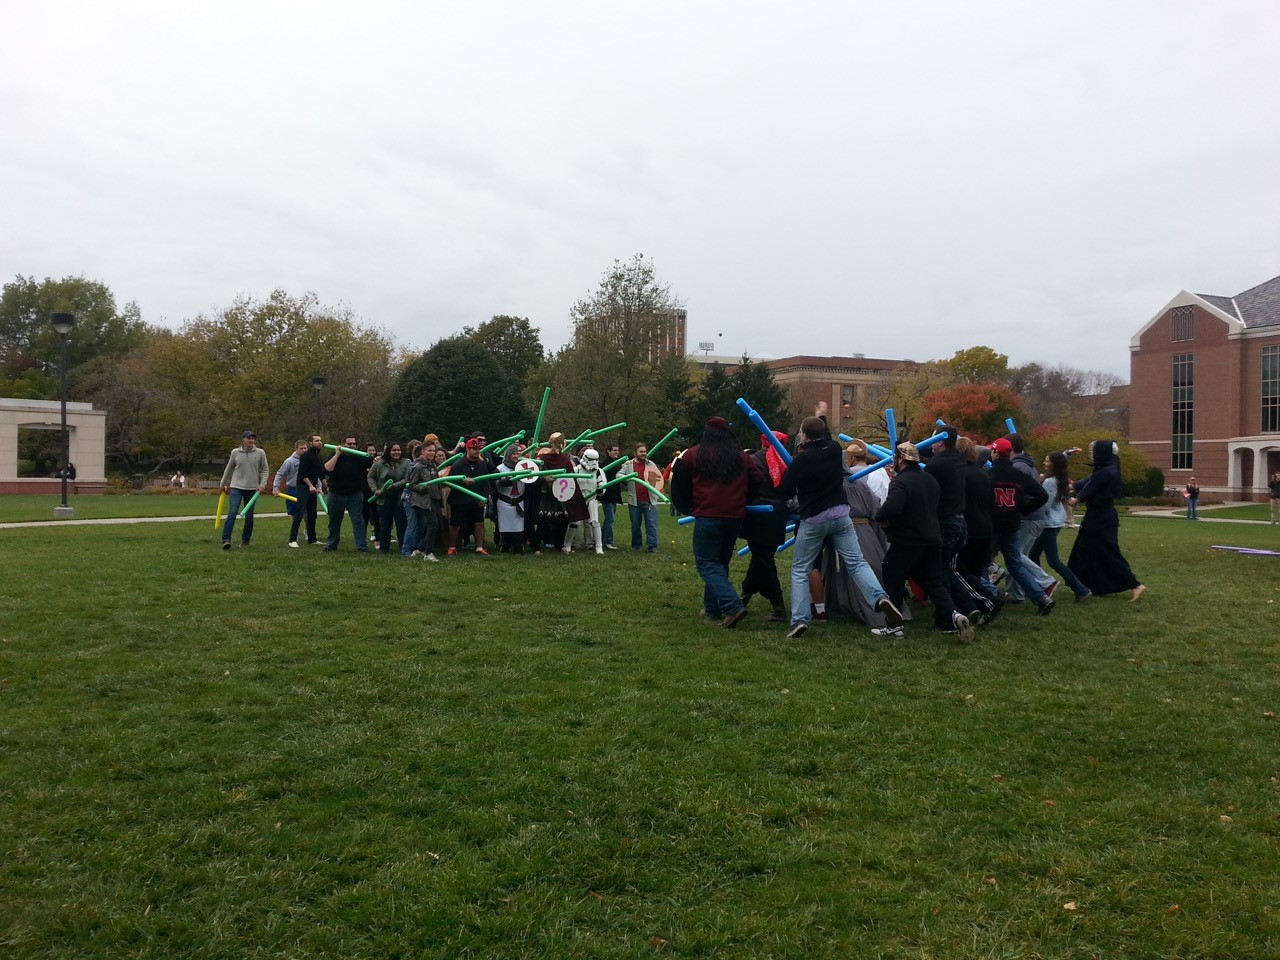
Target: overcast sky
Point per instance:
(894, 179)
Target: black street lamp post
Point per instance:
(63, 323)
(316, 384)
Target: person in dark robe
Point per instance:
(1096, 558)
(554, 515)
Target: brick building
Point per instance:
(1205, 396)
(853, 387)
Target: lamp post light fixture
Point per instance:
(63, 323)
(316, 384)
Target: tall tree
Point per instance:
(975, 409)
(263, 354)
(977, 365)
(608, 373)
(452, 389)
(513, 342)
(28, 342)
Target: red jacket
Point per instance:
(714, 499)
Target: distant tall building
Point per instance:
(665, 334)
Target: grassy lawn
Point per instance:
(23, 507)
(290, 753)
(1252, 511)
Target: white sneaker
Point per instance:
(432, 557)
(417, 553)
(599, 551)
(294, 544)
(963, 628)
(888, 632)
(610, 546)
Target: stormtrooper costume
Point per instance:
(589, 464)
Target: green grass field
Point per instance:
(289, 753)
(24, 508)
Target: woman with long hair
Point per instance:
(387, 480)
(713, 482)
(1096, 558)
(1058, 485)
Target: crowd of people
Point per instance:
(426, 500)
(935, 525)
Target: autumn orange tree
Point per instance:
(977, 410)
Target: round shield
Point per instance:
(562, 488)
(525, 464)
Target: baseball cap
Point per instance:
(1001, 446)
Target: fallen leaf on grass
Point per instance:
(658, 942)
(989, 881)
(1224, 819)
(598, 896)
(1174, 908)
(1070, 906)
(1269, 714)
(1051, 803)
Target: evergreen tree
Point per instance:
(454, 388)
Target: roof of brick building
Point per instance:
(1256, 307)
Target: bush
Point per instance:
(1152, 484)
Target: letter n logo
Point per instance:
(1006, 498)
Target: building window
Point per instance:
(1183, 402)
(1271, 389)
(1183, 323)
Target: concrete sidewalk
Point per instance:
(208, 518)
(1206, 513)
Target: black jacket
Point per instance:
(910, 511)
(947, 467)
(1014, 495)
(816, 477)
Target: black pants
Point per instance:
(307, 502)
(762, 575)
(923, 563)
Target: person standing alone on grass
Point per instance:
(816, 478)
(1274, 486)
(713, 481)
(246, 474)
(1192, 494)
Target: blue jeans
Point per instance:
(713, 541)
(352, 504)
(1016, 563)
(1028, 533)
(809, 540)
(236, 499)
(1047, 543)
(648, 514)
(606, 527)
(1191, 508)
(413, 530)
